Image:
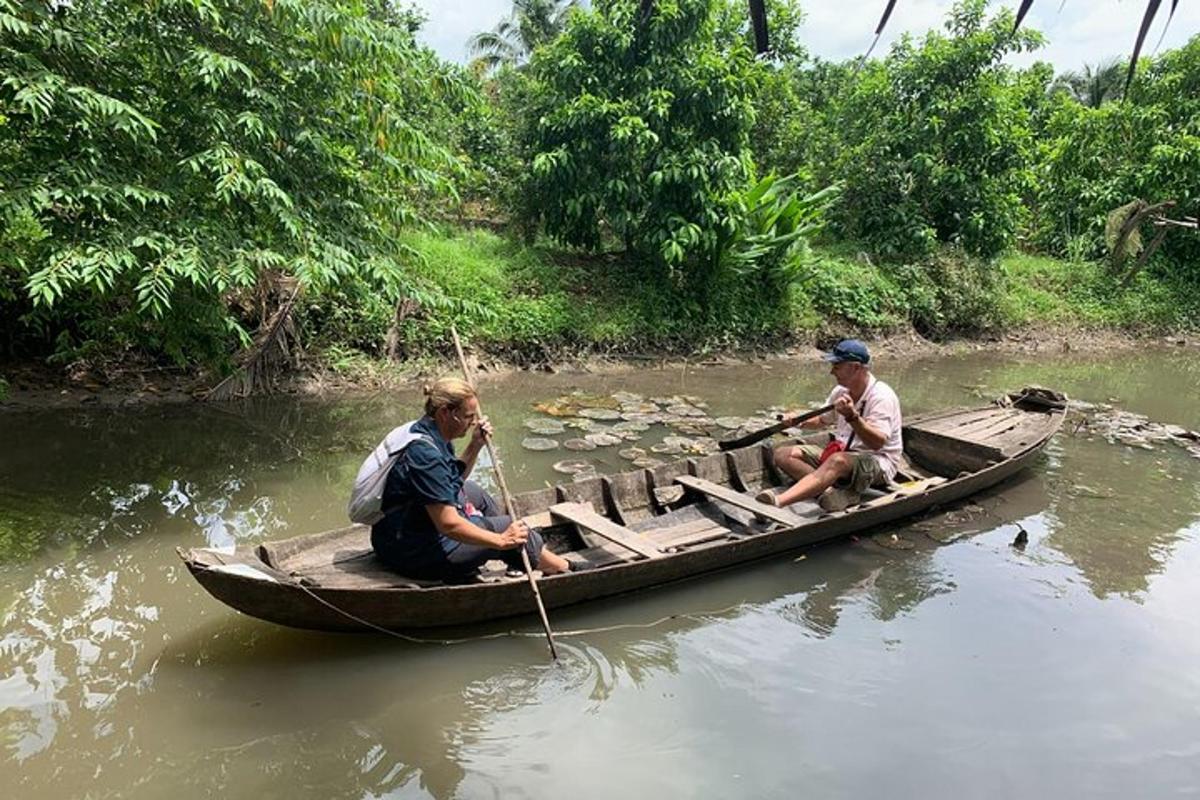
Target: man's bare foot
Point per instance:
(766, 496)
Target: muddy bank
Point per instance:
(36, 385)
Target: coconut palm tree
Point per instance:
(531, 23)
(1094, 85)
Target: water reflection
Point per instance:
(122, 678)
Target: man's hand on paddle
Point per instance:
(845, 406)
(514, 536)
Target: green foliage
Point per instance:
(1040, 290)
(845, 289)
(772, 225)
(641, 129)
(527, 302)
(193, 148)
(784, 18)
(937, 141)
(1095, 160)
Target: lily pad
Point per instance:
(579, 444)
(603, 439)
(625, 398)
(599, 413)
(630, 426)
(573, 466)
(685, 410)
(730, 423)
(580, 424)
(632, 453)
(539, 443)
(691, 429)
(544, 426)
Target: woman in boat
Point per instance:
(866, 448)
(438, 525)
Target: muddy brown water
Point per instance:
(967, 668)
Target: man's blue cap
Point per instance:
(848, 350)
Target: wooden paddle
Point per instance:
(783, 424)
(508, 503)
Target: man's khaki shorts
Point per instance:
(865, 473)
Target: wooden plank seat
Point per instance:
(734, 498)
(677, 530)
(586, 518)
(354, 569)
(345, 560)
(692, 524)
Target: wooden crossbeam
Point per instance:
(583, 515)
(737, 499)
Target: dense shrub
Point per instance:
(1147, 146)
(641, 126)
(161, 155)
(936, 141)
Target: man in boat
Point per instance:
(866, 448)
(436, 524)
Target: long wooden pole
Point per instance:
(508, 503)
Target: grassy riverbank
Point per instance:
(521, 305)
(527, 304)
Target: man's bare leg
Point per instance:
(835, 468)
(790, 462)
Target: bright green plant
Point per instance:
(1147, 147)
(200, 147)
(773, 222)
(640, 124)
(937, 144)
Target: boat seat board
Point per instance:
(692, 524)
(737, 499)
(584, 516)
(357, 569)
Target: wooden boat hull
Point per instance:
(246, 580)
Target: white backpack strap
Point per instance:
(366, 499)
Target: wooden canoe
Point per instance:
(640, 529)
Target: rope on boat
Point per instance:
(515, 634)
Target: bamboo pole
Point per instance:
(508, 503)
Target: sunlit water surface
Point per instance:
(961, 669)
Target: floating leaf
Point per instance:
(599, 413)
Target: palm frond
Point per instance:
(758, 18)
(887, 13)
(1021, 12)
(1147, 18)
